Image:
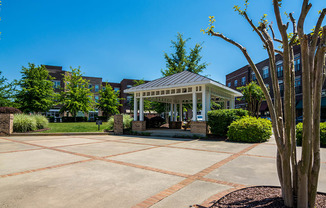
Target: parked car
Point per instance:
(199, 117)
(299, 119)
(266, 117)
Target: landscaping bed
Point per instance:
(259, 196)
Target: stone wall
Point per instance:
(139, 125)
(199, 127)
(6, 123)
(118, 124)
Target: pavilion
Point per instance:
(178, 89)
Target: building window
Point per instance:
(280, 83)
(56, 84)
(96, 98)
(265, 72)
(279, 68)
(297, 63)
(297, 82)
(129, 86)
(235, 83)
(90, 86)
(229, 84)
(97, 88)
(253, 76)
(243, 80)
(116, 89)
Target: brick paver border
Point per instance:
(188, 179)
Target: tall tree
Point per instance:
(180, 61)
(6, 93)
(36, 89)
(109, 101)
(253, 95)
(76, 95)
(298, 177)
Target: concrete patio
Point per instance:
(128, 171)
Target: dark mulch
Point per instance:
(267, 197)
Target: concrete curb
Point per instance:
(62, 134)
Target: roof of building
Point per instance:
(181, 79)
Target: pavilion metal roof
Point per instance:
(181, 79)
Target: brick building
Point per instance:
(245, 75)
(96, 84)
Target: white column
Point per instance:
(135, 108)
(208, 102)
(232, 103)
(175, 112)
(171, 112)
(225, 104)
(194, 105)
(203, 103)
(180, 111)
(141, 108)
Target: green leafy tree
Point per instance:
(36, 92)
(298, 176)
(76, 95)
(180, 61)
(253, 95)
(7, 93)
(109, 101)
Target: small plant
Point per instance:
(250, 129)
(24, 123)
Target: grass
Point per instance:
(74, 127)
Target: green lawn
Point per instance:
(74, 127)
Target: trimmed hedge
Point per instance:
(220, 120)
(10, 110)
(72, 119)
(127, 120)
(250, 130)
(299, 128)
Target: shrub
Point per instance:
(155, 122)
(24, 123)
(41, 121)
(127, 120)
(11, 110)
(219, 120)
(250, 129)
(299, 128)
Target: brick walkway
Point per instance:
(122, 171)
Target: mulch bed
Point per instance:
(259, 196)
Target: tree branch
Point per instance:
(317, 28)
(274, 38)
(295, 31)
(279, 52)
(261, 83)
(304, 11)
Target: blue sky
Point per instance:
(127, 39)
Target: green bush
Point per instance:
(219, 120)
(24, 123)
(41, 121)
(250, 129)
(299, 128)
(127, 120)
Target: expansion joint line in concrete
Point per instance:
(198, 176)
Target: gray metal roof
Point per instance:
(184, 78)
